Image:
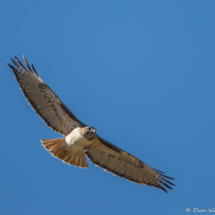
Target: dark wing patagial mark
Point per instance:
(43, 100)
(122, 164)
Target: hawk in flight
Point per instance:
(80, 140)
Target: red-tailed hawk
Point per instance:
(79, 139)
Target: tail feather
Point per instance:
(66, 158)
(57, 153)
(77, 162)
(49, 146)
(54, 149)
(59, 149)
(72, 159)
(82, 160)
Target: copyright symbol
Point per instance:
(188, 209)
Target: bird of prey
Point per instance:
(80, 140)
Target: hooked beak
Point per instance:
(92, 129)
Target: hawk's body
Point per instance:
(79, 139)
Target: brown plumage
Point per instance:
(80, 139)
(58, 149)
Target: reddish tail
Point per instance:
(59, 149)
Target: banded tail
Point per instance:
(59, 149)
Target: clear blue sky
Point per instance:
(141, 72)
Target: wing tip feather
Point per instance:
(11, 66)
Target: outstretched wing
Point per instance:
(43, 100)
(122, 164)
